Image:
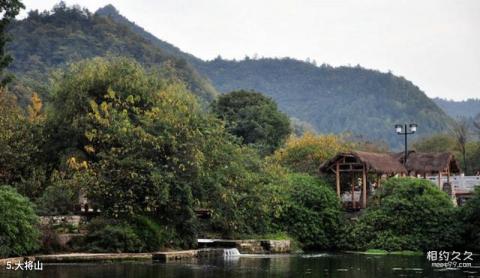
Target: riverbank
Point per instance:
(168, 256)
(180, 255)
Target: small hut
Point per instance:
(362, 164)
(432, 164)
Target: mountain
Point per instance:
(49, 40)
(364, 103)
(468, 108)
(111, 12)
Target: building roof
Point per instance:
(422, 163)
(392, 163)
(375, 162)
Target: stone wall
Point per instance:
(253, 246)
(74, 220)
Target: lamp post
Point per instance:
(406, 130)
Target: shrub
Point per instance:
(56, 200)
(152, 234)
(112, 236)
(50, 240)
(311, 212)
(470, 216)
(407, 214)
(18, 232)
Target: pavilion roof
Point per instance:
(383, 163)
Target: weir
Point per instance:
(231, 252)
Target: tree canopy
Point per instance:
(9, 10)
(305, 154)
(46, 41)
(18, 232)
(253, 118)
(333, 99)
(407, 214)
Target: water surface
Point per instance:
(310, 265)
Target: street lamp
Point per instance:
(406, 130)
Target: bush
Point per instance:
(18, 232)
(311, 212)
(407, 214)
(470, 216)
(56, 200)
(153, 235)
(112, 236)
(50, 240)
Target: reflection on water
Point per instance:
(309, 265)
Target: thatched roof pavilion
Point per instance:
(388, 164)
(432, 163)
(382, 163)
(362, 163)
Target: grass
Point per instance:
(376, 252)
(381, 252)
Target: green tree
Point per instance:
(137, 136)
(435, 143)
(254, 118)
(9, 10)
(20, 154)
(18, 231)
(470, 217)
(473, 157)
(407, 214)
(460, 132)
(150, 149)
(310, 212)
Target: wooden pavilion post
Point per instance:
(337, 178)
(448, 175)
(364, 186)
(353, 191)
(440, 179)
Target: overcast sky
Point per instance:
(433, 43)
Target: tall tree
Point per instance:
(305, 154)
(476, 121)
(8, 9)
(254, 118)
(460, 131)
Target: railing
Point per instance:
(461, 184)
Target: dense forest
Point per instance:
(466, 108)
(334, 100)
(47, 40)
(352, 100)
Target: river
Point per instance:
(249, 266)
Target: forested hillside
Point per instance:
(363, 102)
(355, 100)
(48, 40)
(468, 108)
(333, 99)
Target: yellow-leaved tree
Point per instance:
(305, 154)
(34, 110)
